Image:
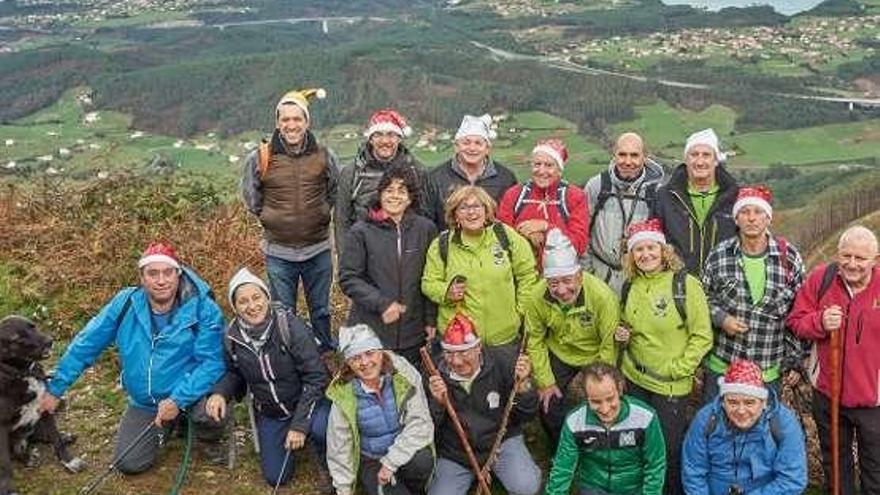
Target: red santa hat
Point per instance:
(159, 252)
(754, 195)
(743, 377)
(388, 120)
(459, 334)
(649, 230)
(553, 148)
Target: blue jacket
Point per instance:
(768, 459)
(182, 363)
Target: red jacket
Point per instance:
(542, 204)
(860, 343)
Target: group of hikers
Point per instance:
(475, 303)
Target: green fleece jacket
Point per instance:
(492, 299)
(627, 458)
(577, 335)
(663, 351)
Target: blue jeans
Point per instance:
(273, 433)
(514, 468)
(316, 273)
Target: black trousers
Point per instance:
(854, 422)
(410, 479)
(672, 413)
(559, 408)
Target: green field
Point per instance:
(666, 128)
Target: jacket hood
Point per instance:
(652, 172)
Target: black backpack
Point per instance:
(500, 233)
(606, 192)
(561, 205)
(827, 279)
(679, 293)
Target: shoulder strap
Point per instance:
(263, 155)
(523, 194)
(501, 234)
(228, 345)
(624, 293)
(604, 194)
(651, 195)
(711, 424)
(561, 192)
(679, 293)
(125, 307)
(775, 429)
(827, 279)
(443, 246)
(283, 328)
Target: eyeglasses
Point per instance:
(472, 207)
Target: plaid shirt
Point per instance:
(766, 342)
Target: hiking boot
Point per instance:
(214, 452)
(324, 483)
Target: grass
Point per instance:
(665, 129)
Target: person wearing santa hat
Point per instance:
(611, 444)
(382, 150)
(479, 382)
(695, 204)
(665, 334)
(745, 441)
(546, 201)
(618, 197)
(751, 281)
(471, 165)
(570, 320)
(289, 184)
(380, 431)
(381, 264)
(168, 332)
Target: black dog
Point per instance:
(22, 381)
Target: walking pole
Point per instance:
(508, 408)
(456, 423)
(92, 485)
(281, 473)
(835, 411)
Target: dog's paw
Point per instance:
(67, 438)
(75, 465)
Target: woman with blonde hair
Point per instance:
(665, 333)
(480, 267)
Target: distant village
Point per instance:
(815, 41)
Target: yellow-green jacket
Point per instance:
(578, 335)
(492, 300)
(667, 350)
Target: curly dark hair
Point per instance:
(404, 173)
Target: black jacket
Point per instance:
(358, 182)
(479, 413)
(295, 371)
(447, 177)
(373, 272)
(673, 206)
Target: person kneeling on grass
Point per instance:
(380, 428)
(283, 372)
(613, 443)
(745, 441)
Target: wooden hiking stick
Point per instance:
(505, 418)
(835, 411)
(456, 423)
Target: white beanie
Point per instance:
(706, 137)
(244, 276)
(560, 257)
(357, 339)
(476, 126)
